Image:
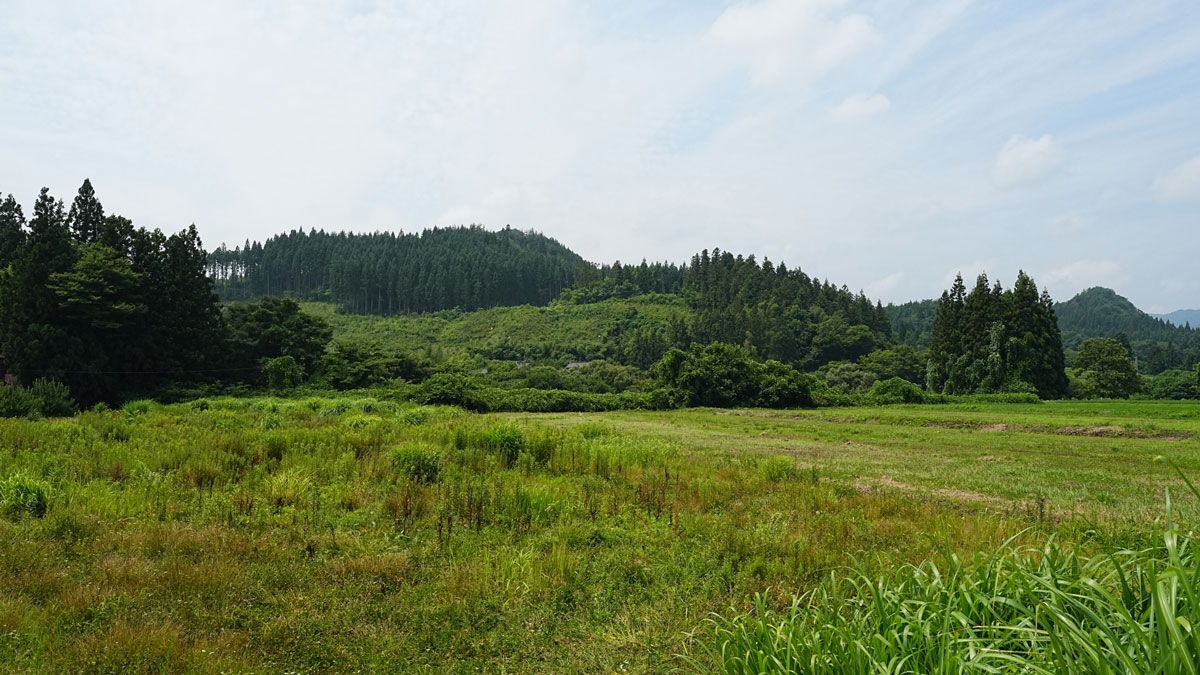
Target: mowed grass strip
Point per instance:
(1087, 461)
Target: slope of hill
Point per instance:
(632, 331)
(1181, 317)
(390, 273)
(1100, 312)
(912, 322)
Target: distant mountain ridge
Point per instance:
(1181, 317)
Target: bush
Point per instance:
(421, 462)
(414, 417)
(450, 389)
(781, 386)
(55, 397)
(895, 391)
(20, 494)
(282, 373)
(135, 408)
(777, 469)
(506, 440)
(723, 375)
(19, 402)
(1013, 397)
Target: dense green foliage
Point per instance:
(109, 310)
(724, 376)
(992, 340)
(389, 273)
(913, 322)
(778, 313)
(275, 327)
(1105, 370)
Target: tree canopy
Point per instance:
(994, 340)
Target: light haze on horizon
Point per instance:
(881, 145)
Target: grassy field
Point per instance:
(269, 535)
(1067, 460)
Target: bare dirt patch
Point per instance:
(948, 493)
(1111, 431)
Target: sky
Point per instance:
(884, 145)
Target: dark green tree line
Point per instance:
(994, 340)
(110, 310)
(392, 273)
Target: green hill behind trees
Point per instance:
(1097, 312)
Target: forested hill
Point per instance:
(1096, 312)
(390, 273)
(1100, 312)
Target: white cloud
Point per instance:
(859, 106)
(1181, 184)
(777, 39)
(882, 289)
(1024, 160)
(1068, 280)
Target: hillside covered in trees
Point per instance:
(1156, 344)
(109, 312)
(397, 273)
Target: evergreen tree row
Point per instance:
(994, 340)
(108, 309)
(392, 273)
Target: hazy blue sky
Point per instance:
(884, 145)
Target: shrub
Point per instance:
(135, 408)
(413, 417)
(506, 440)
(894, 391)
(777, 469)
(282, 373)
(18, 402)
(1012, 397)
(449, 389)
(20, 494)
(288, 488)
(781, 386)
(421, 462)
(723, 375)
(55, 397)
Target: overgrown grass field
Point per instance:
(268, 535)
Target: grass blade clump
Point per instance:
(1029, 610)
(20, 494)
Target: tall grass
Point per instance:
(1047, 610)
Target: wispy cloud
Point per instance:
(859, 106)
(836, 135)
(1024, 160)
(778, 39)
(1181, 184)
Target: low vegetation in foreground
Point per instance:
(266, 535)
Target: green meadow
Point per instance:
(358, 534)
